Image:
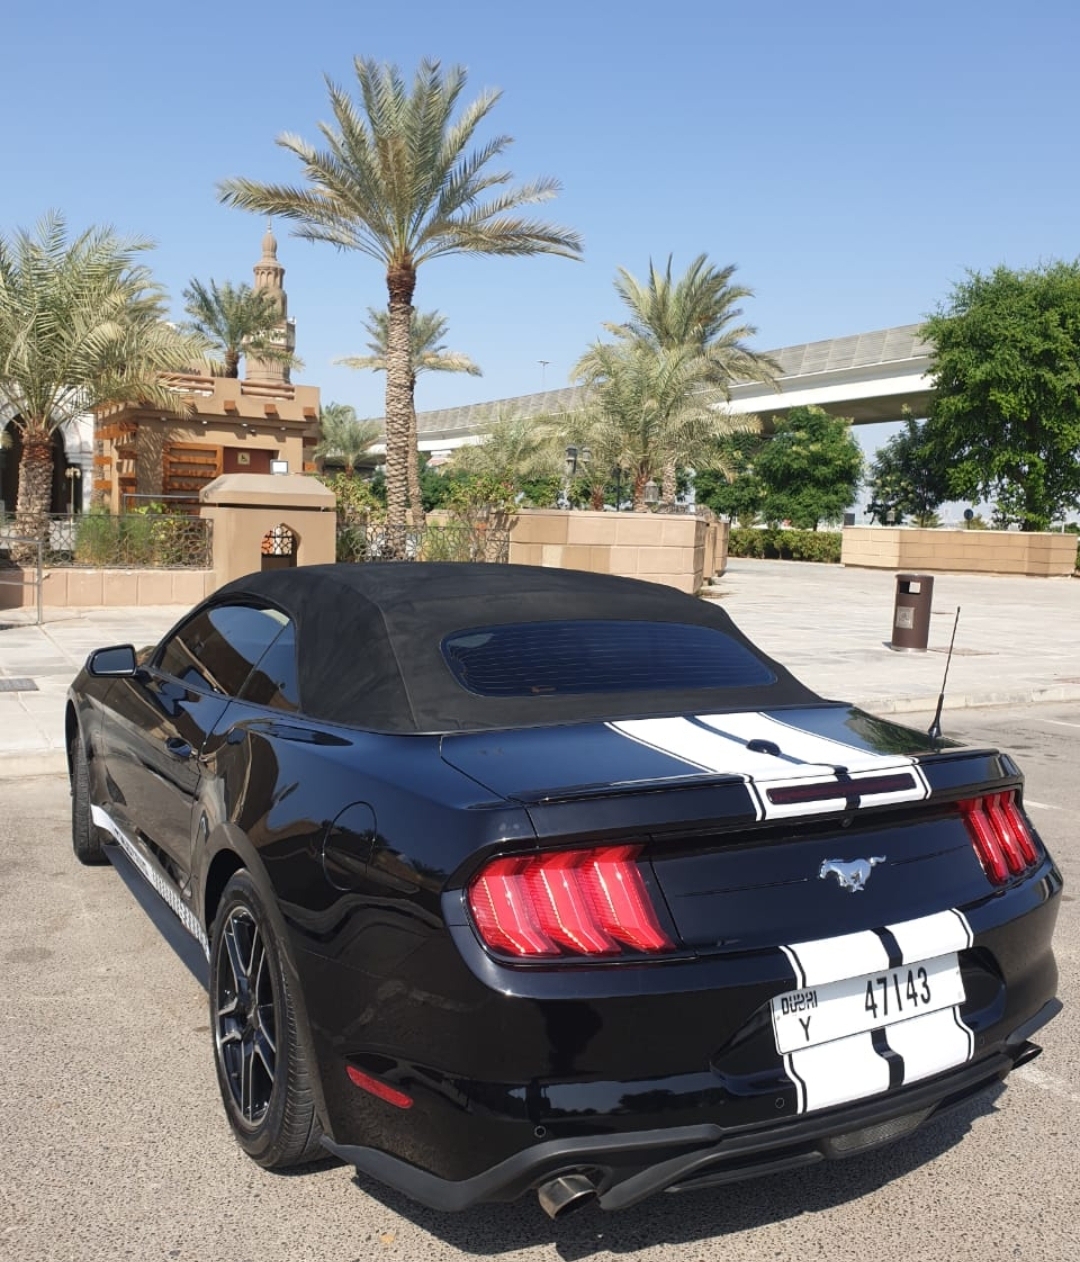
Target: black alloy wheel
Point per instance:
(87, 840)
(262, 1069)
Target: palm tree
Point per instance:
(514, 448)
(343, 437)
(397, 181)
(428, 355)
(82, 325)
(648, 407)
(697, 311)
(236, 320)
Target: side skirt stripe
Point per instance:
(152, 876)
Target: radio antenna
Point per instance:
(934, 730)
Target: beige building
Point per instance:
(260, 424)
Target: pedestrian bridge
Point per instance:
(869, 377)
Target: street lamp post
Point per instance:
(616, 473)
(73, 474)
(574, 457)
(652, 494)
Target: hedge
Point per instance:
(785, 545)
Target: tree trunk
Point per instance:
(669, 483)
(232, 363)
(400, 283)
(35, 492)
(416, 495)
(640, 478)
(596, 497)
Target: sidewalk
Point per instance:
(1018, 642)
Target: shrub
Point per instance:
(785, 545)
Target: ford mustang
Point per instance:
(519, 879)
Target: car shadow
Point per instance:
(685, 1218)
(183, 945)
(689, 1217)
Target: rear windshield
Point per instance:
(550, 658)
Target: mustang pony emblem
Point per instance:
(850, 876)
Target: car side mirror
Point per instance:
(112, 663)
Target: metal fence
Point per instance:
(102, 541)
(445, 541)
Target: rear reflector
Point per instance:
(567, 902)
(378, 1088)
(1000, 836)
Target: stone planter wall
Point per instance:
(970, 551)
(677, 551)
(78, 588)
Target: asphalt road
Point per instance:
(113, 1144)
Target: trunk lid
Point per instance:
(759, 828)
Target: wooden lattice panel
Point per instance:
(187, 467)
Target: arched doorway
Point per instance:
(279, 548)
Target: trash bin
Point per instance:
(911, 612)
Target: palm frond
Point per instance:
(428, 353)
(82, 325)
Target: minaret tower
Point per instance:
(270, 279)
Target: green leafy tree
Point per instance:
(809, 469)
(726, 483)
(344, 439)
(906, 478)
(82, 325)
(1005, 417)
(236, 320)
(695, 312)
(428, 354)
(398, 180)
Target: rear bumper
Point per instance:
(625, 1168)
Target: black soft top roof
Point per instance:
(370, 641)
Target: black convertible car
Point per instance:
(516, 878)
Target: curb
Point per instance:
(972, 701)
(52, 762)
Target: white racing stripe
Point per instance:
(705, 751)
(849, 1068)
(931, 1043)
(834, 959)
(708, 749)
(940, 934)
(794, 742)
(719, 743)
(837, 1072)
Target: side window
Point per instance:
(274, 681)
(217, 649)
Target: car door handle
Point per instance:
(178, 748)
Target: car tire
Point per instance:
(263, 1069)
(87, 840)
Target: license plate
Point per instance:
(819, 1014)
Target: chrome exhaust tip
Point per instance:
(561, 1196)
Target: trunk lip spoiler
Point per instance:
(552, 796)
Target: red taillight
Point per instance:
(576, 902)
(1000, 835)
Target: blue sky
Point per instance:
(853, 159)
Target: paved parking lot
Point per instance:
(113, 1145)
